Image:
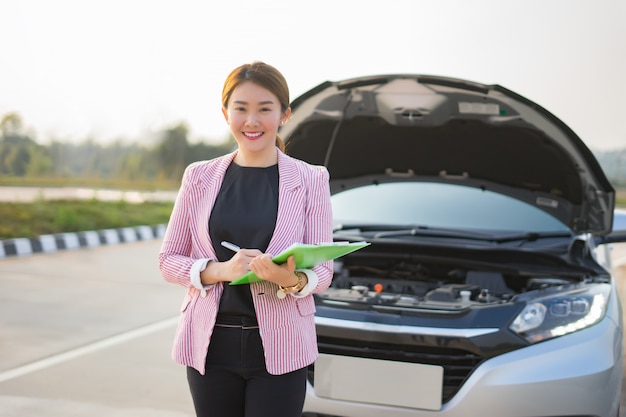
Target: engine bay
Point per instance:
(400, 284)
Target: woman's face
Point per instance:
(254, 115)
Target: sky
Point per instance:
(124, 69)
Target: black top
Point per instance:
(244, 214)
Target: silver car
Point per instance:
(486, 290)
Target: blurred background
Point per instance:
(123, 94)
(104, 103)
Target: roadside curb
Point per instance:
(69, 241)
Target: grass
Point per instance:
(30, 220)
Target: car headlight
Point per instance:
(561, 313)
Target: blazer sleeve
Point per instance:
(175, 256)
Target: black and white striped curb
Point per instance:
(69, 241)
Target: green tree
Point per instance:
(11, 124)
(40, 164)
(164, 160)
(15, 146)
(172, 151)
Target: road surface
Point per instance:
(88, 332)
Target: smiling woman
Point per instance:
(264, 201)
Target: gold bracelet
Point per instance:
(297, 287)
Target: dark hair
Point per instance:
(263, 75)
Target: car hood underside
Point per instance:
(424, 128)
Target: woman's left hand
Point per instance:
(283, 274)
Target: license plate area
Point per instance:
(378, 381)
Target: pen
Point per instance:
(230, 246)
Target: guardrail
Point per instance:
(69, 241)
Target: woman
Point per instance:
(247, 347)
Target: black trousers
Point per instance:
(237, 384)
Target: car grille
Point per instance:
(457, 364)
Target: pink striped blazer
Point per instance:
(286, 325)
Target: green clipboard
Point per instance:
(307, 256)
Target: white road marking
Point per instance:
(87, 349)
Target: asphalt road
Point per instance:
(88, 332)
(30, 194)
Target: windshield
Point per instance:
(439, 205)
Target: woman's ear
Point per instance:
(285, 118)
(225, 113)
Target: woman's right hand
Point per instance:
(229, 270)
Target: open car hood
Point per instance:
(426, 128)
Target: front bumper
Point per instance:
(579, 374)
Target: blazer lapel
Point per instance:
(206, 190)
(204, 194)
(290, 201)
